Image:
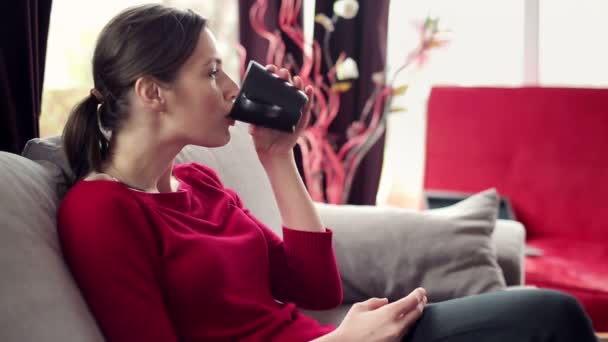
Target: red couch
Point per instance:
(546, 149)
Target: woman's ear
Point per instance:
(150, 94)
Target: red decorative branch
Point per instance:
(328, 169)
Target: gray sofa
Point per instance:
(40, 302)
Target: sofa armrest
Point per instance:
(509, 239)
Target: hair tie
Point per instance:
(97, 95)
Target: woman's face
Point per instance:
(200, 98)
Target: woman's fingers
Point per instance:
(284, 74)
(408, 303)
(297, 82)
(418, 309)
(305, 119)
(272, 68)
(371, 304)
(406, 321)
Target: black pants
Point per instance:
(527, 315)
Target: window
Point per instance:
(486, 48)
(572, 43)
(73, 30)
(494, 43)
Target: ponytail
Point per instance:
(84, 144)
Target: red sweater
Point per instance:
(193, 265)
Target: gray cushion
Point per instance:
(365, 255)
(366, 271)
(38, 298)
(448, 251)
(509, 239)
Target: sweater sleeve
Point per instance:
(303, 266)
(114, 256)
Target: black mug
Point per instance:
(267, 100)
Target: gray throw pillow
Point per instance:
(391, 251)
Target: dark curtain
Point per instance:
(364, 39)
(24, 26)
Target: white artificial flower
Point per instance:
(378, 77)
(346, 9)
(347, 69)
(327, 23)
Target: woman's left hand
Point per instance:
(274, 143)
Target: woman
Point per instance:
(164, 252)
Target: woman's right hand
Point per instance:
(377, 320)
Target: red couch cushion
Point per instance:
(578, 268)
(547, 150)
(544, 148)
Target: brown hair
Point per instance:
(152, 40)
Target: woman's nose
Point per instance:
(232, 89)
